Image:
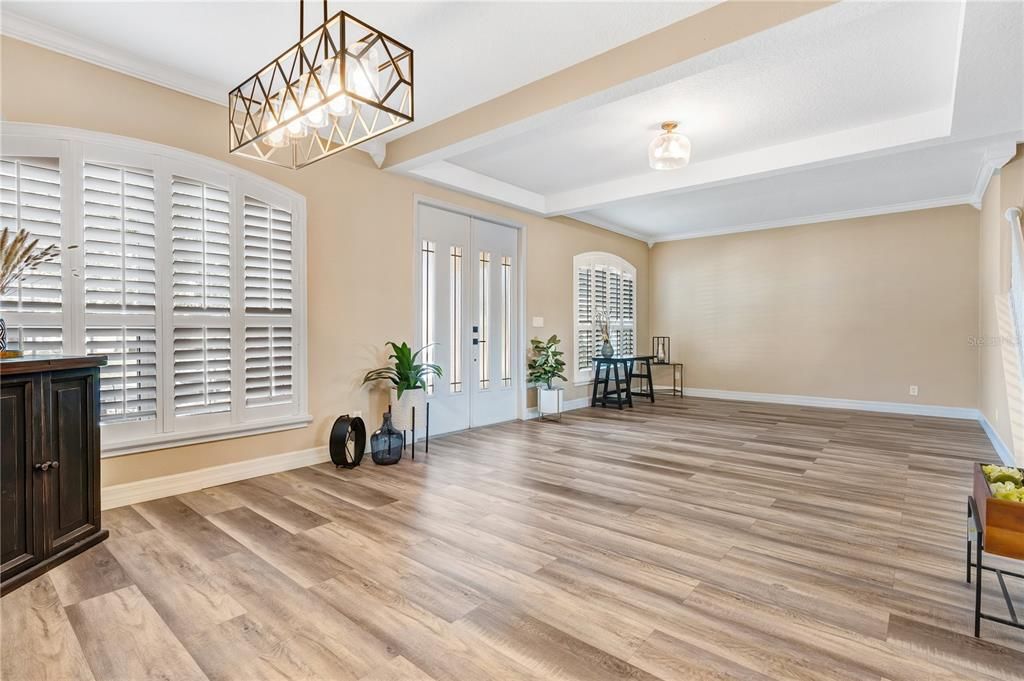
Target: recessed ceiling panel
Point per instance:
(906, 178)
(859, 66)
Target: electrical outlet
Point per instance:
(538, 322)
(913, 390)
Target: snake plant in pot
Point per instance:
(408, 377)
(546, 364)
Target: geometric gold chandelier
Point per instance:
(343, 83)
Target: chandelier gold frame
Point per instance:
(341, 84)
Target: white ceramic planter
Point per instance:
(549, 401)
(401, 409)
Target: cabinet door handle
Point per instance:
(54, 464)
(41, 466)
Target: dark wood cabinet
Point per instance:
(49, 464)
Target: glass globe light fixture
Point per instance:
(669, 150)
(341, 105)
(363, 74)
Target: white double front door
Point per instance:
(468, 313)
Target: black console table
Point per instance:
(624, 370)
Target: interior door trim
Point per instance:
(520, 341)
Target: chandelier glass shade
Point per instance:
(341, 84)
(669, 150)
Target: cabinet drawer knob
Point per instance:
(54, 464)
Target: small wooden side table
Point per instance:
(677, 378)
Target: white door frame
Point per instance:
(520, 340)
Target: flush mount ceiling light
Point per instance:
(669, 150)
(341, 84)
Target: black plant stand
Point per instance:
(426, 437)
(978, 549)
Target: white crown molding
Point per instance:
(30, 31)
(611, 227)
(179, 483)
(839, 403)
(1005, 455)
(995, 158)
(943, 202)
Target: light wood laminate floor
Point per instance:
(691, 539)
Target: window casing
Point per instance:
(601, 282)
(186, 273)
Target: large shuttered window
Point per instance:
(180, 269)
(603, 285)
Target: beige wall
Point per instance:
(357, 217)
(999, 400)
(857, 309)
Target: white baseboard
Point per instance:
(567, 405)
(839, 403)
(997, 442)
(190, 481)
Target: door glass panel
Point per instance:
(506, 321)
(455, 315)
(427, 306)
(484, 319)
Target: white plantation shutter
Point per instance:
(200, 244)
(120, 263)
(128, 383)
(269, 344)
(202, 370)
(119, 221)
(268, 257)
(36, 340)
(268, 365)
(584, 307)
(603, 282)
(30, 196)
(201, 293)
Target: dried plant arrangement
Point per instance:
(19, 256)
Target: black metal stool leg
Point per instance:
(977, 589)
(969, 542)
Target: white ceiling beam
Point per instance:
(654, 59)
(485, 187)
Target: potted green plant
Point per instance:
(546, 364)
(409, 382)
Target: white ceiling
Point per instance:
(856, 109)
(466, 52)
(843, 76)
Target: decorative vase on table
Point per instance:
(386, 444)
(606, 348)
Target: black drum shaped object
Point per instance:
(348, 441)
(387, 443)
